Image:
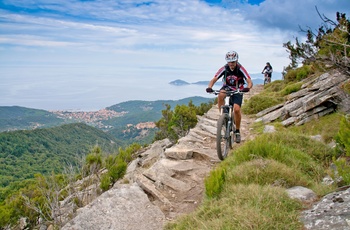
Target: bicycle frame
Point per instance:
(227, 108)
(225, 126)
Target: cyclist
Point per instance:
(234, 76)
(268, 70)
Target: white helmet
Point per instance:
(231, 56)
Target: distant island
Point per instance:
(257, 78)
(180, 82)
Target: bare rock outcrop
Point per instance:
(122, 207)
(318, 97)
(331, 212)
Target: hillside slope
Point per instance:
(16, 117)
(26, 152)
(143, 111)
(118, 120)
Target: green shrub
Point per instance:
(343, 169)
(109, 161)
(291, 88)
(343, 140)
(105, 182)
(93, 161)
(5, 215)
(303, 72)
(274, 86)
(78, 202)
(259, 102)
(343, 135)
(291, 76)
(117, 170)
(215, 182)
(298, 74)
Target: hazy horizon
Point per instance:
(104, 94)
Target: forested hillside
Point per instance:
(24, 153)
(16, 117)
(143, 111)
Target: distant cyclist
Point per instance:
(234, 75)
(268, 71)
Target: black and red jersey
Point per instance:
(233, 78)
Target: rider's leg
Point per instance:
(221, 99)
(238, 98)
(237, 115)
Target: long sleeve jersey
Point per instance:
(233, 78)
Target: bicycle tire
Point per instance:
(223, 138)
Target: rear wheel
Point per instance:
(223, 137)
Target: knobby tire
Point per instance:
(223, 138)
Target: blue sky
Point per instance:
(63, 54)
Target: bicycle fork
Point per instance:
(227, 108)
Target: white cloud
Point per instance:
(177, 39)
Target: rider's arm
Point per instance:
(216, 77)
(212, 82)
(250, 83)
(246, 76)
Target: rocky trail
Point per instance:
(164, 182)
(167, 180)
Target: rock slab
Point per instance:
(122, 207)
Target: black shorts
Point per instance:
(235, 98)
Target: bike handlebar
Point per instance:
(231, 92)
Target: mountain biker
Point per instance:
(234, 76)
(268, 70)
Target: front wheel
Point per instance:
(223, 137)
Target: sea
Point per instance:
(58, 91)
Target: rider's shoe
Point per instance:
(238, 137)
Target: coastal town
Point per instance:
(96, 118)
(89, 117)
